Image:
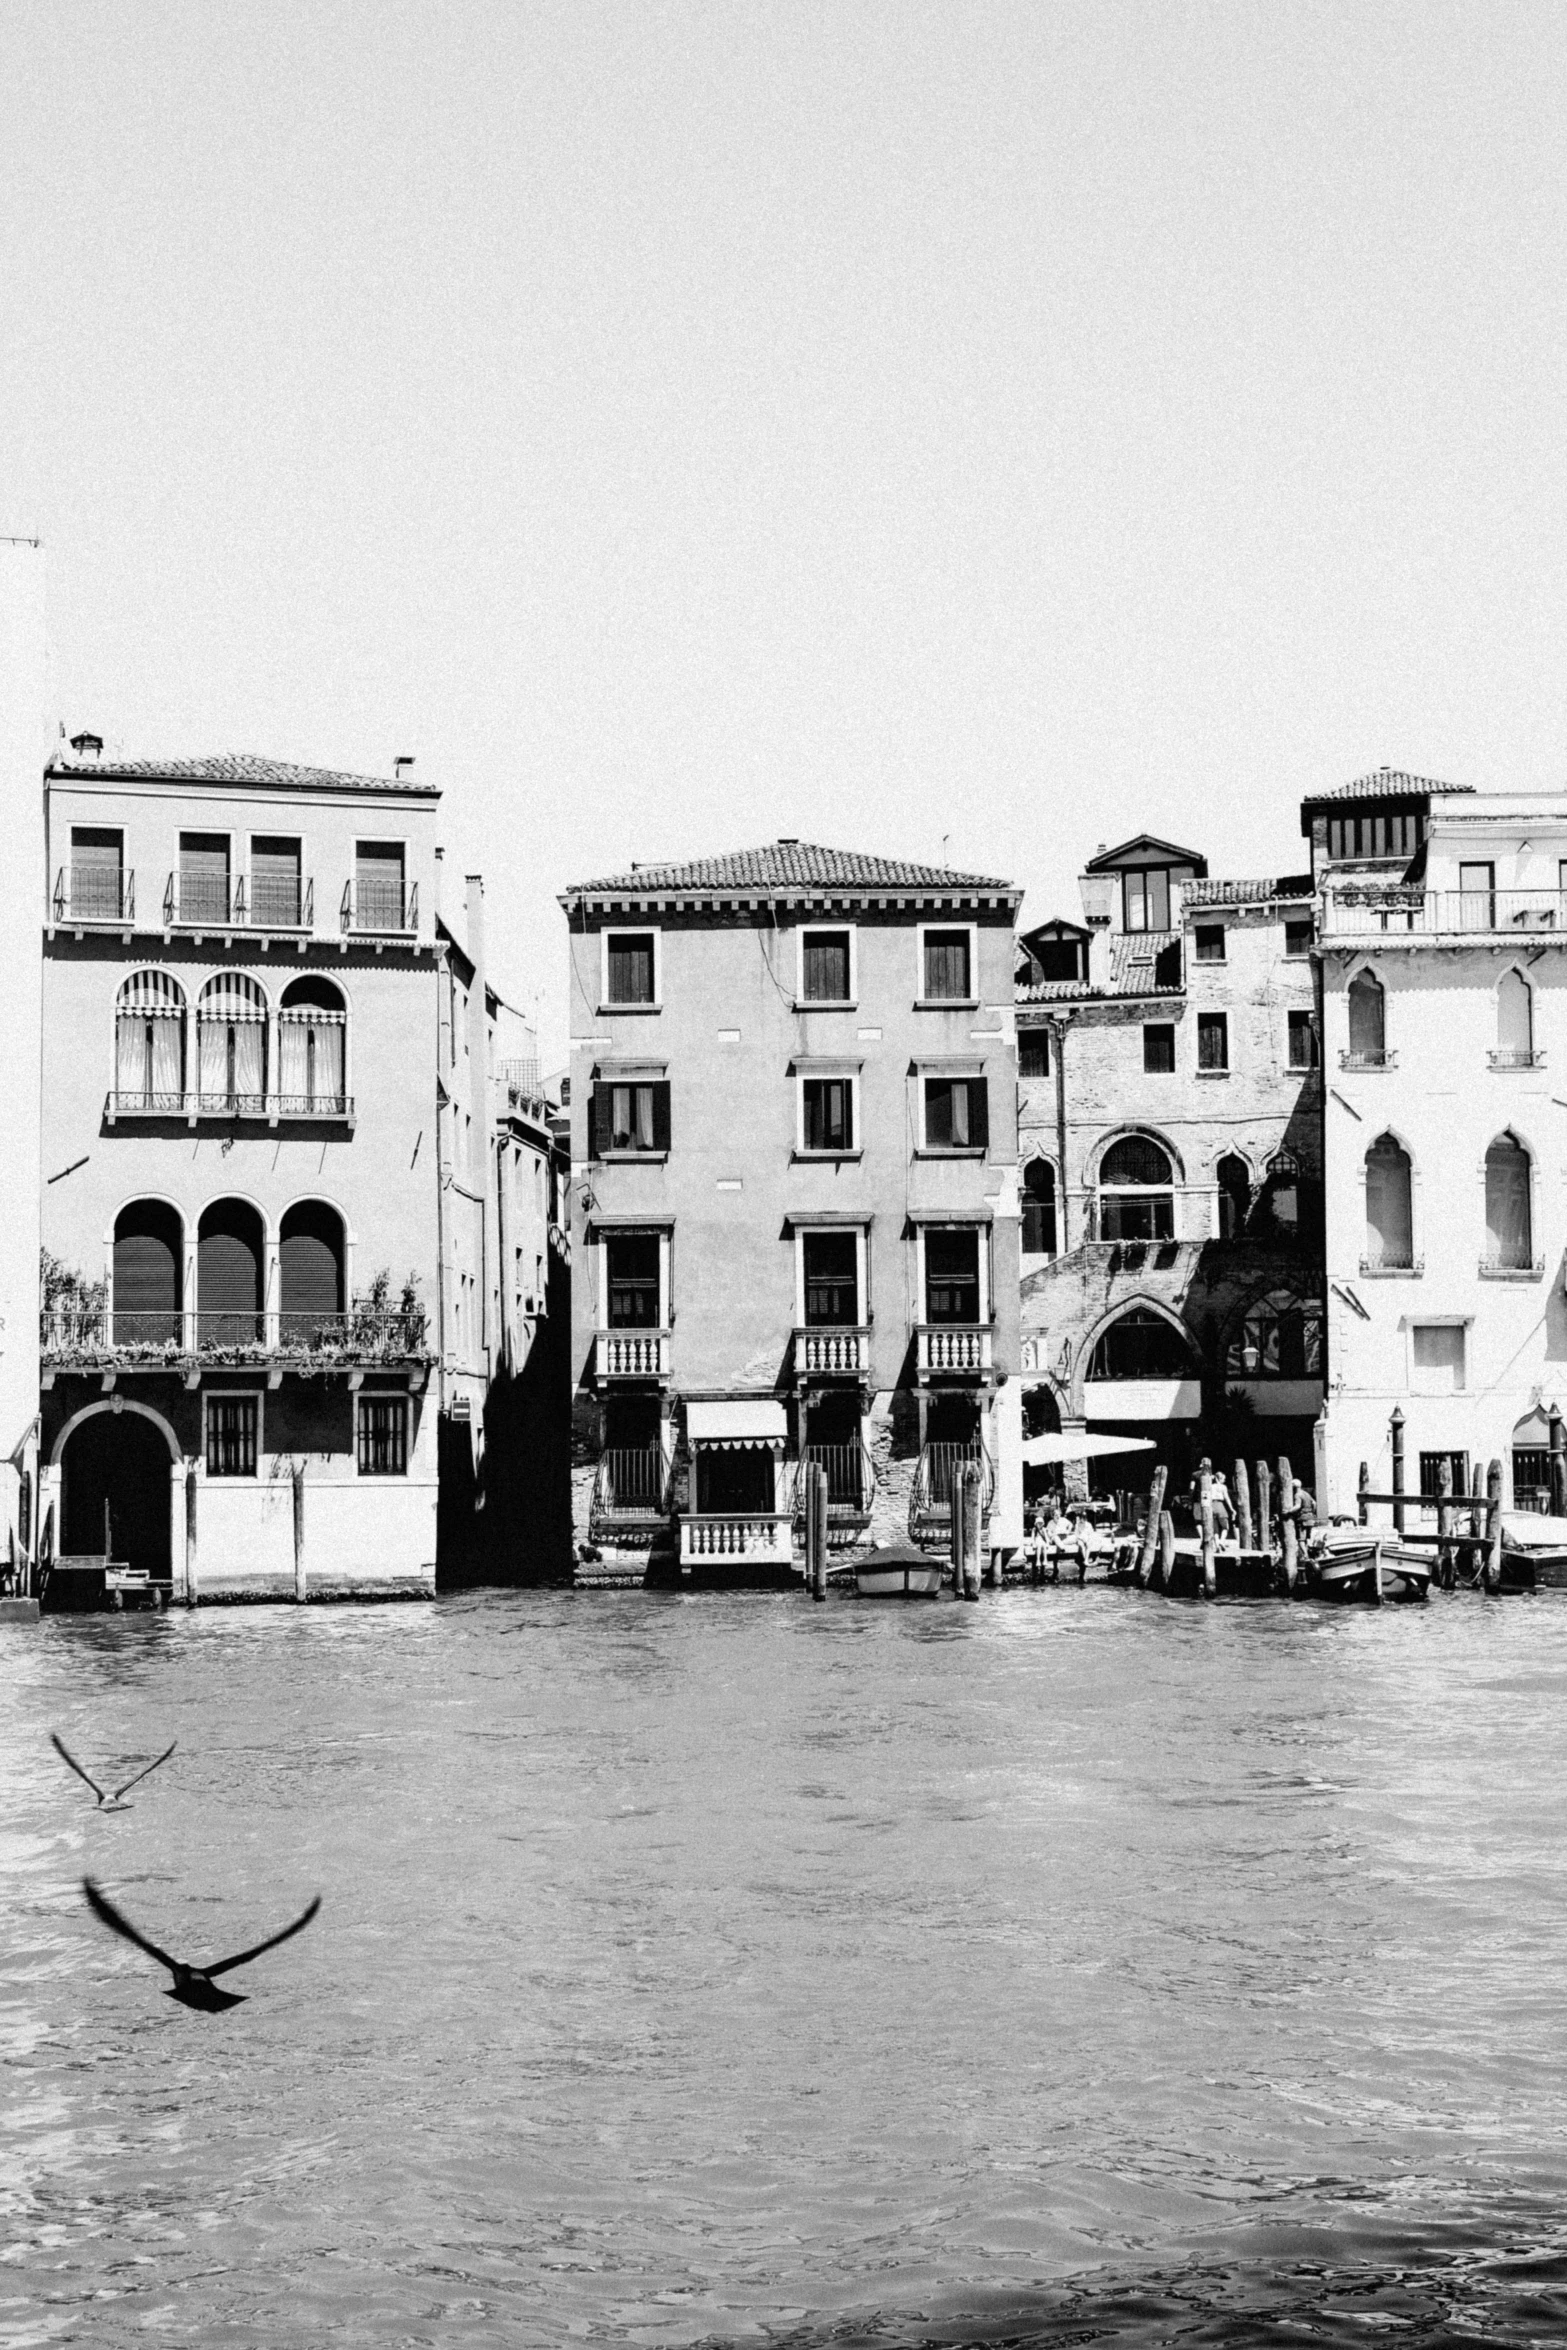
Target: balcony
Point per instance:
(381, 909)
(1515, 1057)
(954, 1350)
(840, 1353)
(760, 1539)
(90, 896)
(278, 902)
(267, 1107)
(1373, 911)
(1379, 1060)
(935, 1479)
(91, 1338)
(632, 1354)
(631, 1494)
(221, 901)
(851, 1485)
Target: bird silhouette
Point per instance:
(107, 1802)
(193, 1986)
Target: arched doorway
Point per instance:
(114, 1497)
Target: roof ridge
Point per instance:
(785, 863)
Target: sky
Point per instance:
(972, 433)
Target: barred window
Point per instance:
(383, 1436)
(231, 1435)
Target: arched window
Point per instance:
(1390, 1235)
(1039, 1209)
(312, 1049)
(1234, 1178)
(1514, 1022)
(1278, 1337)
(1142, 1345)
(228, 1274)
(231, 1044)
(311, 1257)
(149, 1043)
(148, 1274)
(1509, 1233)
(1136, 1190)
(1367, 1021)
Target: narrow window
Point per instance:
(1477, 897)
(947, 966)
(825, 966)
(630, 965)
(381, 901)
(1389, 1215)
(1509, 1242)
(1367, 1023)
(204, 877)
(829, 1113)
(1210, 942)
(1234, 1180)
(231, 1435)
(951, 1276)
(1213, 1040)
(1039, 1209)
(383, 1436)
(1159, 1047)
(97, 877)
(831, 1280)
(1297, 938)
(633, 1280)
(1514, 1022)
(1303, 1040)
(276, 890)
(1033, 1052)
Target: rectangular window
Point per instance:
(1146, 899)
(832, 1281)
(204, 877)
(1431, 1470)
(1033, 1052)
(828, 1113)
(97, 871)
(383, 1436)
(1159, 1048)
(276, 889)
(631, 1115)
(946, 973)
(1297, 937)
(632, 1280)
(231, 1435)
(825, 974)
(1436, 1357)
(629, 967)
(956, 1114)
(1210, 942)
(1213, 1040)
(380, 897)
(1303, 1040)
(1477, 897)
(951, 1276)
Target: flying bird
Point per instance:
(193, 1986)
(106, 1802)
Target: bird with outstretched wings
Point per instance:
(106, 1801)
(193, 1986)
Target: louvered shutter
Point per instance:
(661, 1116)
(600, 1121)
(979, 1112)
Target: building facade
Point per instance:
(22, 749)
(1444, 987)
(1169, 1143)
(241, 1367)
(794, 1208)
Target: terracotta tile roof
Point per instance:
(242, 767)
(1245, 893)
(1386, 783)
(786, 864)
(1134, 964)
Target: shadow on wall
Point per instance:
(507, 1518)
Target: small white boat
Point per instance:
(1345, 1561)
(903, 1573)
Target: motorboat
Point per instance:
(900, 1572)
(1534, 1552)
(1347, 1561)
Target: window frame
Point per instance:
(251, 839)
(1460, 1322)
(843, 1074)
(1219, 1021)
(663, 1234)
(1209, 931)
(608, 1003)
(1038, 1036)
(1142, 875)
(947, 1003)
(1159, 1028)
(364, 1401)
(1299, 923)
(832, 1003)
(1293, 1014)
(925, 1079)
(981, 1232)
(256, 1398)
(651, 1077)
(817, 1230)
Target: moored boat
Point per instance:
(900, 1573)
(1534, 1552)
(1350, 1563)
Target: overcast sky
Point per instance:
(965, 431)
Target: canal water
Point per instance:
(1076, 1967)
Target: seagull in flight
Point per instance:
(107, 1802)
(193, 1986)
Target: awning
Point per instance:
(757, 1420)
(1042, 1451)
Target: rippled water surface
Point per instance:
(1074, 1967)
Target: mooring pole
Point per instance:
(1264, 1506)
(190, 1533)
(1558, 1464)
(299, 1531)
(1166, 1550)
(1493, 1527)
(1149, 1545)
(971, 1530)
(1243, 1505)
(1289, 1522)
(1362, 1506)
(1396, 1432)
(819, 1519)
(1444, 1521)
(1210, 1580)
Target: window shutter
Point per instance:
(661, 1116)
(979, 1112)
(599, 1144)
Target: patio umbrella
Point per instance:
(1042, 1451)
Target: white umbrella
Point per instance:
(1042, 1451)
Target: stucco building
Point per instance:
(1169, 1145)
(1444, 987)
(794, 1213)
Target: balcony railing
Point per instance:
(141, 1103)
(1514, 1056)
(1370, 910)
(94, 893)
(841, 1352)
(381, 909)
(1511, 1268)
(1376, 1060)
(760, 1539)
(278, 903)
(92, 1334)
(850, 1474)
(935, 1479)
(204, 901)
(632, 1354)
(631, 1492)
(954, 1347)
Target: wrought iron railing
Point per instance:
(940, 1466)
(850, 1474)
(278, 903)
(381, 908)
(94, 893)
(205, 901)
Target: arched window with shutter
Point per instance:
(311, 1255)
(312, 1027)
(1514, 1022)
(1509, 1224)
(1367, 1022)
(149, 1044)
(1390, 1231)
(1039, 1209)
(231, 1045)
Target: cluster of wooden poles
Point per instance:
(1278, 1506)
(1479, 1549)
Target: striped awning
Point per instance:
(756, 1420)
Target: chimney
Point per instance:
(440, 866)
(402, 767)
(86, 746)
